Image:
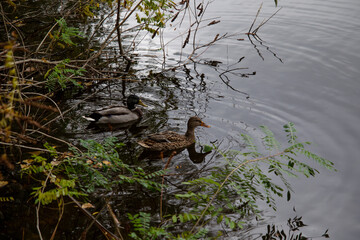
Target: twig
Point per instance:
(38, 221)
(39, 94)
(74, 106)
(27, 147)
(112, 32)
(227, 83)
(163, 179)
(99, 24)
(39, 203)
(257, 14)
(60, 217)
(117, 26)
(105, 231)
(116, 221)
(39, 61)
(261, 24)
(55, 138)
(38, 48)
(5, 22)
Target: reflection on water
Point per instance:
(295, 226)
(195, 157)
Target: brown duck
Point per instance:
(168, 141)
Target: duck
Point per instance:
(169, 140)
(118, 114)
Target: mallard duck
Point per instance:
(168, 141)
(118, 114)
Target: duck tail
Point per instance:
(89, 118)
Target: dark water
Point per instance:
(307, 72)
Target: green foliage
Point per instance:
(227, 196)
(269, 140)
(81, 172)
(143, 228)
(100, 166)
(66, 33)
(232, 192)
(63, 189)
(153, 14)
(58, 76)
(207, 148)
(54, 186)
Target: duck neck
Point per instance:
(131, 106)
(138, 112)
(190, 133)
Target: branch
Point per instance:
(105, 231)
(226, 179)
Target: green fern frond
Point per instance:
(320, 160)
(249, 142)
(290, 129)
(59, 76)
(269, 139)
(6, 199)
(159, 173)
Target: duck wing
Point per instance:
(163, 137)
(115, 110)
(164, 141)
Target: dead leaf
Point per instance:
(107, 163)
(3, 183)
(30, 69)
(87, 205)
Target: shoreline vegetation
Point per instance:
(50, 53)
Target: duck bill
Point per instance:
(142, 104)
(204, 125)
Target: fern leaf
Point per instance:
(249, 142)
(269, 138)
(320, 160)
(290, 129)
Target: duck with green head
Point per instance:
(118, 114)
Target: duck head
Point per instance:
(132, 100)
(196, 122)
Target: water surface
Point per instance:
(307, 72)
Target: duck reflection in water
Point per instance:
(195, 157)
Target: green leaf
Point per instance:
(181, 218)
(207, 148)
(232, 224)
(269, 139)
(290, 129)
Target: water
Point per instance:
(315, 85)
